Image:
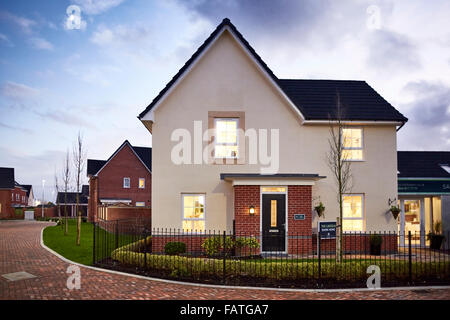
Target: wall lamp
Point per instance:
(251, 210)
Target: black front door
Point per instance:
(273, 222)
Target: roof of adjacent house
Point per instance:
(143, 153)
(423, 164)
(72, 196)
(315, 99)
(7, 178)
(28, 188)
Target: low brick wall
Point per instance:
(51, 212)
(110, 213)
(193, 242)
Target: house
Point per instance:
(225, 98)
(30, 194)
(424, 193)
(68, 201)
(12, 194)
(124, 178)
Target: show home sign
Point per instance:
(327, 229)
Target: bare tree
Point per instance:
(66, 184)
(340, 168)
(79, 162)
(57, 192)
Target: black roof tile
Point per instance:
(7, 178)
(71, 198)
(422, 164)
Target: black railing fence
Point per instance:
(293, 260)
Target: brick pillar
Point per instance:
(244, 197)
(299, 231)
(93, 199)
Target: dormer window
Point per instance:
(352, 144)
(226, 138)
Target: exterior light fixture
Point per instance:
(251, 210)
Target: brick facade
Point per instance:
(244, 197)
(299, 202)
(108, 184)
(10, 198)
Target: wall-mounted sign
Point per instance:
(327, 229)
(299, 216)
(423, 186)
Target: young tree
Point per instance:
(57, 192)
(78, 161)
(340, 168)
(66, 183)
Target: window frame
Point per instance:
(236, 119)
(351, 148)
(139, 182)
(193, 219)
(129, 183)
(363, 212)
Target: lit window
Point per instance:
(352, 219)
(273, 213)
(226, 138)
(352, 144)
(141, 183)
(140, 204)
(126, 182)
(273, 189)
(193, 212)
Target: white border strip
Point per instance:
(235, 287)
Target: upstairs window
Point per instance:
(126, 183)
(12, 196)
(140, 204)
(17, 197)
(141, 183)
(193, 212)
(352, 144)
(226, 138)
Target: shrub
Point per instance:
(214, 245)
(376, 239)
(174, 248)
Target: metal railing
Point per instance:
(295, 260)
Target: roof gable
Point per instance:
(144, 155)
(225, 25)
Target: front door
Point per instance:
(273, 222)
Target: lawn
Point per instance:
(55, 239)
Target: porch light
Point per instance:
(251, 210)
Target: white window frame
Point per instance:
(17, 197)
(358, 148)
(12, 196)
(139, 183)
(363, 212)
(226, 144)
(193, 219)
(129, 183)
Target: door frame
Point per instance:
(403, 238)
(261, 193)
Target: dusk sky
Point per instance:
(56, 81)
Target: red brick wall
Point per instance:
(299, 231)
(93, 199)
(48, 212)
(193, 242)
(119, 213)
(23, 199)
(244, 197)
(125, 164)
(6, 211)
(358, 244)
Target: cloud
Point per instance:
(25, 24)
(18, 91)
(428, 127)
(389, 50)
(64, 117)
(120, 35)
(94, 7)
(40, 43)
(5, 40)
(14, 128)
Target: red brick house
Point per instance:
(122, 182)
(12, 194)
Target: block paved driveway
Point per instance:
(20, 250)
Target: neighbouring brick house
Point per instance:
(12, 194)
(228, 92)
(68, 201)
(120, 187)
